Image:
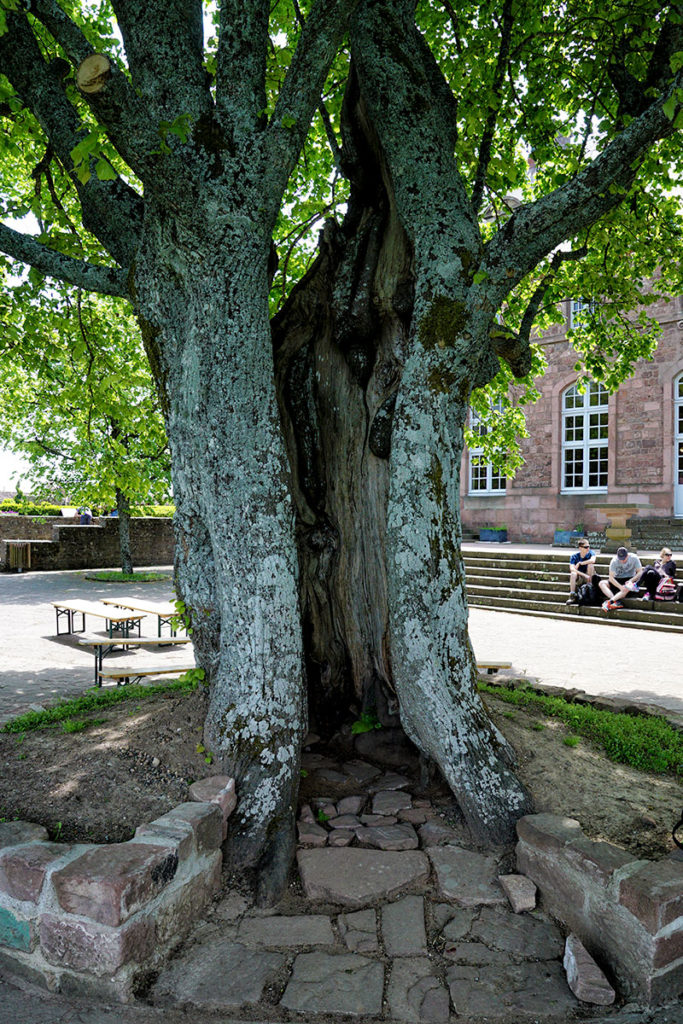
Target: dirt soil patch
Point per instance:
(98, 785)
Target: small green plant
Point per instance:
(538, 727)
(366, 723)
(80, 724)
(571, 741)
(57, 832)
(509, 714)
(322, 817)
(303, 773)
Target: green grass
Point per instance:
(641, 741)
(116, 576)
(93, 700)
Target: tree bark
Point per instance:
(236, 563)
(123, 509)
(338, 352)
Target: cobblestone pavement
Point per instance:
(409, 926)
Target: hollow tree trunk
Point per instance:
(123, 509)
(235, 563)
(338, 351)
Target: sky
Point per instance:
(9, 463)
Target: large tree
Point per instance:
(177, 154)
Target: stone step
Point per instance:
(647, 608)
(625, 617)
(587, 615)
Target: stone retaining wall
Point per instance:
(627, 912)
(60, 544)
(97, 919)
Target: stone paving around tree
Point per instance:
(395, 916)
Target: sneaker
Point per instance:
(633, 587)
(572, 599)
(606, 606)
(615, 605)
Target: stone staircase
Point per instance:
(537, 583)
(651, 534)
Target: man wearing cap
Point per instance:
(622, 569)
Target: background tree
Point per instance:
(183, 150)
(77, 400)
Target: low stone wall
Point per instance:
(97, 919)
(60, 544)
(628, 913)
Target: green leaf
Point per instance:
(105, 171)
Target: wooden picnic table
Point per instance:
(122, 620)
(103, 645)
(164, 610)
(133, 674)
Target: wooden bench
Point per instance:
(135, 674)
(491, 667)
(164, 610)
(103, 645)
(122, 621)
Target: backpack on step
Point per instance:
(585, 594)
(666, 589)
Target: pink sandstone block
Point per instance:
(12, 833)
(220, 790)
(23, 869)
(181, 907)
(668, 950)
(520, 891)
(82, 946)
(654, 894)
(548, 832)
(584, 977)
(109, 883)
(206, 821)
(175, 835)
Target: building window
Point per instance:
(579, 310)
(484, 478)
(584, 438)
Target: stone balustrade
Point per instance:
(87, 919)
(628, 913)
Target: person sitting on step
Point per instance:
(652, 575)
(581, 568)
(624, 570)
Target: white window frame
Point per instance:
(576, 420)
(495, 481)
(576, 308)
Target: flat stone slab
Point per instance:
(435, 833)
(356, 877)
(403, 927)
(298, 930)
(466, 877)
(584, 977)
(389, 801)
(391, 780)
(359, 930)
(361, 771)
(415, 994)
(458, 923)
(528, 937)
(520, 891)
(221, 975)
(388, 837)
(499, 991)
(327, 983)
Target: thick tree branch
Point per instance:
(538, 228)
(303, 84)
(335, 148)
(106, 280)
(117, 107)
(515, 349)
(490, 126)
(164, 46)
(112, 210)
(241, 65)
